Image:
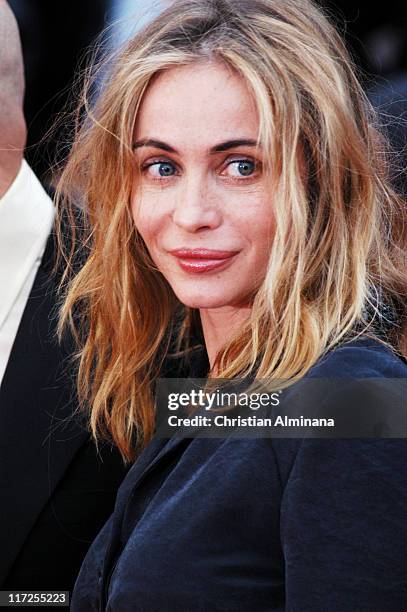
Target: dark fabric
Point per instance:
(54, 548)
(55, 491)
(259, 524)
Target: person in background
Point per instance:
(54, 37)
(55, 489)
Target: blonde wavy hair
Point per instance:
(338, 260)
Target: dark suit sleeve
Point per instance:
(344, 528)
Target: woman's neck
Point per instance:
(219, 326)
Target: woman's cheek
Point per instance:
(142, 213)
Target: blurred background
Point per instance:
(56, 36)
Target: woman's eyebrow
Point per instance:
(222, 146)
(231, 144)
(157, 144)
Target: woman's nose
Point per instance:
(196, 207)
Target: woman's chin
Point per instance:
(204, 304)
(199, 300)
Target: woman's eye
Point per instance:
(241, 167)
(160, 169)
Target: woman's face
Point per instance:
(201, 203)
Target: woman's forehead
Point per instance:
(197, 103)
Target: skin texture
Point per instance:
(203, 200)
(12, 123)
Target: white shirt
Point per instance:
(26, 216)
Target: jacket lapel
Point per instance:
(155, 454)
(158, 452)
(38, 436)
(161, 446)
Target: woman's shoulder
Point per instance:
(357, 359)
(361, 357)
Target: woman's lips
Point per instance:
(198, 261)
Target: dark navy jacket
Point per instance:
(256, 525)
